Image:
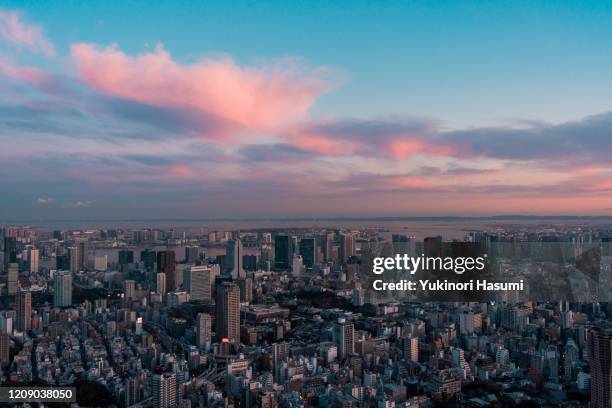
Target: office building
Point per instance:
(198, 281)
(62, 289)
(308, 251)
(166, 264)
(234, 258)
(344, 335)
(283, 253)
(227, 319)
(600, 360)
(24, 311)
(203, 328)
(163, 386)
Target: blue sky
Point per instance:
(212, 109)
(465, 63)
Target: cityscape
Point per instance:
(281, 317)
(293, 204)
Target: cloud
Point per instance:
(23, 35)
(81, 204)
(236, 98)
(44, 200)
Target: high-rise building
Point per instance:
(163, 386)
(347, 247)
(148, 258)
(308, 250)
(344, 335)
(132, 391)
(62, 289)
(227, 306)
(203, 329)
(600, 361)
(411, 349)
(282, 252)
(10, 251)
(101, 263)
(5, 347)
(234, 258)
(191, 254)
(161, 284)
(198, 281)
(129, 289)
(167, 265)
(33, 260)
(24, 311)
(13, 278)
(246, 289)
(249, 262)
(75, 256)
(327, 246)
(126, 257)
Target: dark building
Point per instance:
(126, 257)
(166, 264)
(148, 258)
(191, 254)
(600, 360)
(10, 251)
(249, 262)
(282, 252)
(62, 262)
(308, 250)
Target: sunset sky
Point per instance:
(118, 110)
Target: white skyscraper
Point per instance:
(234, 258)
(161, 284)
(197, 281)
(203, 330)
(33, 257)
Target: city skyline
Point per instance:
(453, 109)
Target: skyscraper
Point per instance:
(126, 257)
(246, 289)
(308, 250)
(167, 265)
(347, 247)
(13, 278)
(5, 346)
(228, 311)
(282, 252)
(161, 284)
(411, 349)
(75, 256)
(148, 258)
(191, 254)
(129, 289)
(197, 281)
(234, 258)
(344, 334)
(327, 246)
(163, 386)
(132, 394)
(600, 360)
(24, 311)
(33, 258)
(203, 329)
(62, 295)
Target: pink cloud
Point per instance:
(30, 75)
(179, 170)
(246, 99)
(17, 33)
(323, 145)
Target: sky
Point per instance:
(135, 110)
